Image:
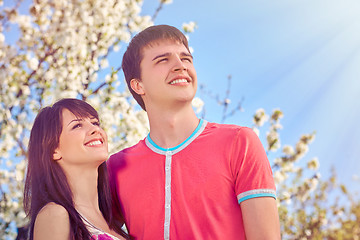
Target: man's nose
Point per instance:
(179, 65)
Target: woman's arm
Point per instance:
(52, 222)
(261, 219)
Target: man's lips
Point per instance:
(180, 80)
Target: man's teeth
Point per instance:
(97, 142)
(179, 81)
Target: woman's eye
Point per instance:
(77, 126)
(96, 123)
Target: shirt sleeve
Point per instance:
(251, 167)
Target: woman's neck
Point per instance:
(83, 186)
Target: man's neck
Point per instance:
(170, 128)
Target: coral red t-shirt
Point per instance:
(191, 191)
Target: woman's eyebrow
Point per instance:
(75, 120)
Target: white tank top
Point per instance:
(97, 233)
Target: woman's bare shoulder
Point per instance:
(52, 222)
(52, 209)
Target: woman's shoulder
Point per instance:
(53, 210)
(52, 221)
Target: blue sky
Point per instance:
(300, 56)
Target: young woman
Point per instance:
(67, 192)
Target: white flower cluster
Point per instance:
(197, 104)
(313, 164)
(288, 150)
(284, 169)
(166, 1)
(272, 136)
(292, 186)
(189, 27)
(285, 164)
(11, 205)
(260, 117)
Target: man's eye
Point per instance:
(162, 60)
(187, 59)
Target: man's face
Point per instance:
(168, 75)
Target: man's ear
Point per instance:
(57, 155)
(136, 86)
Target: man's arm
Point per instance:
(261, 219)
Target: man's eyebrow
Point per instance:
(186, 54)
(168, 54)
(161, 55)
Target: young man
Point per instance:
(189, 178)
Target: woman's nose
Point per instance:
(93, 129)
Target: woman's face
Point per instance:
(82, 142)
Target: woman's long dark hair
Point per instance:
(46, 181)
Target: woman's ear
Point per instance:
(57, 155)
(136, 86)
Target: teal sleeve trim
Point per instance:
(256, 196)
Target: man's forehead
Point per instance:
(160, 42)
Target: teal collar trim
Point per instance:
(181, 144)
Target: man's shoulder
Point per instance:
(229, 132)
(221, 127)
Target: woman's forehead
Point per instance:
(78, 114)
